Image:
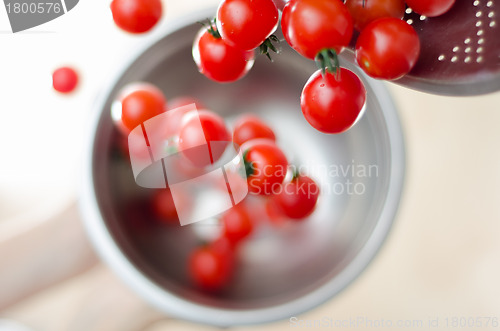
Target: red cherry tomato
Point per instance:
(246, 24)
(237, 224)
(182, 101)
(164, 207)
(311, 26)
(203, 138)
(136, 16)
(211, 267)
(298, 198)
(331, 105)
(250, 127)
(274, 213)
(266, 166)
(366, 11)
(220, 61)
(387, 48)
(64, 79)
(139, 103)
(430, 8)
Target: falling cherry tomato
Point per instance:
(65, 80)
(218, 60)
(211, 267)
(298, 198)
(164, 207)
(266, 166)
(250, 127)
(246, 24)
(312, 26)
(237, 224)
(203, 138)
(139, 103)
(136, 16)
(333, 103)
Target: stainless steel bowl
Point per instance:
(283, 272)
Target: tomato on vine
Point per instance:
(136, 16)
(247, 24)
(387, 48)
(366, 11)
(333, 103)
(313, 26)
(218, 60)
(266, 166)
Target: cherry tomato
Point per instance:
(136, 16)
(203, 138)
(387, 48)
(430, 8)
(220, 61)
(246, 24)
(211, 267)
(298, 198)
(333, 105)
(237, 224)
(184, 101)
(366, 11)
(139, 103)
(311, 26)
(266, 166)
(64, 79)
(274, 213)
(164, 206)
(250, 127)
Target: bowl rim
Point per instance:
(176, 306)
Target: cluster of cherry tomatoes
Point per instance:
(333, 99)
(276, 188)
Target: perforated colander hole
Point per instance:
(468, 50)
(479, 23)
(408, 10)
(479, 14)
(422, 17)
(476, 3)
(454, 59)
(441, 57)
(493, 24)
(479, 59)
(489, 4)
(467, 59)
(480, 32)
(456, 49)
(491, 14)
(479, 50)
(409, 21)
(480, 41)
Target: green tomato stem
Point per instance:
(268, 45)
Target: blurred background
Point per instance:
(440, 261)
